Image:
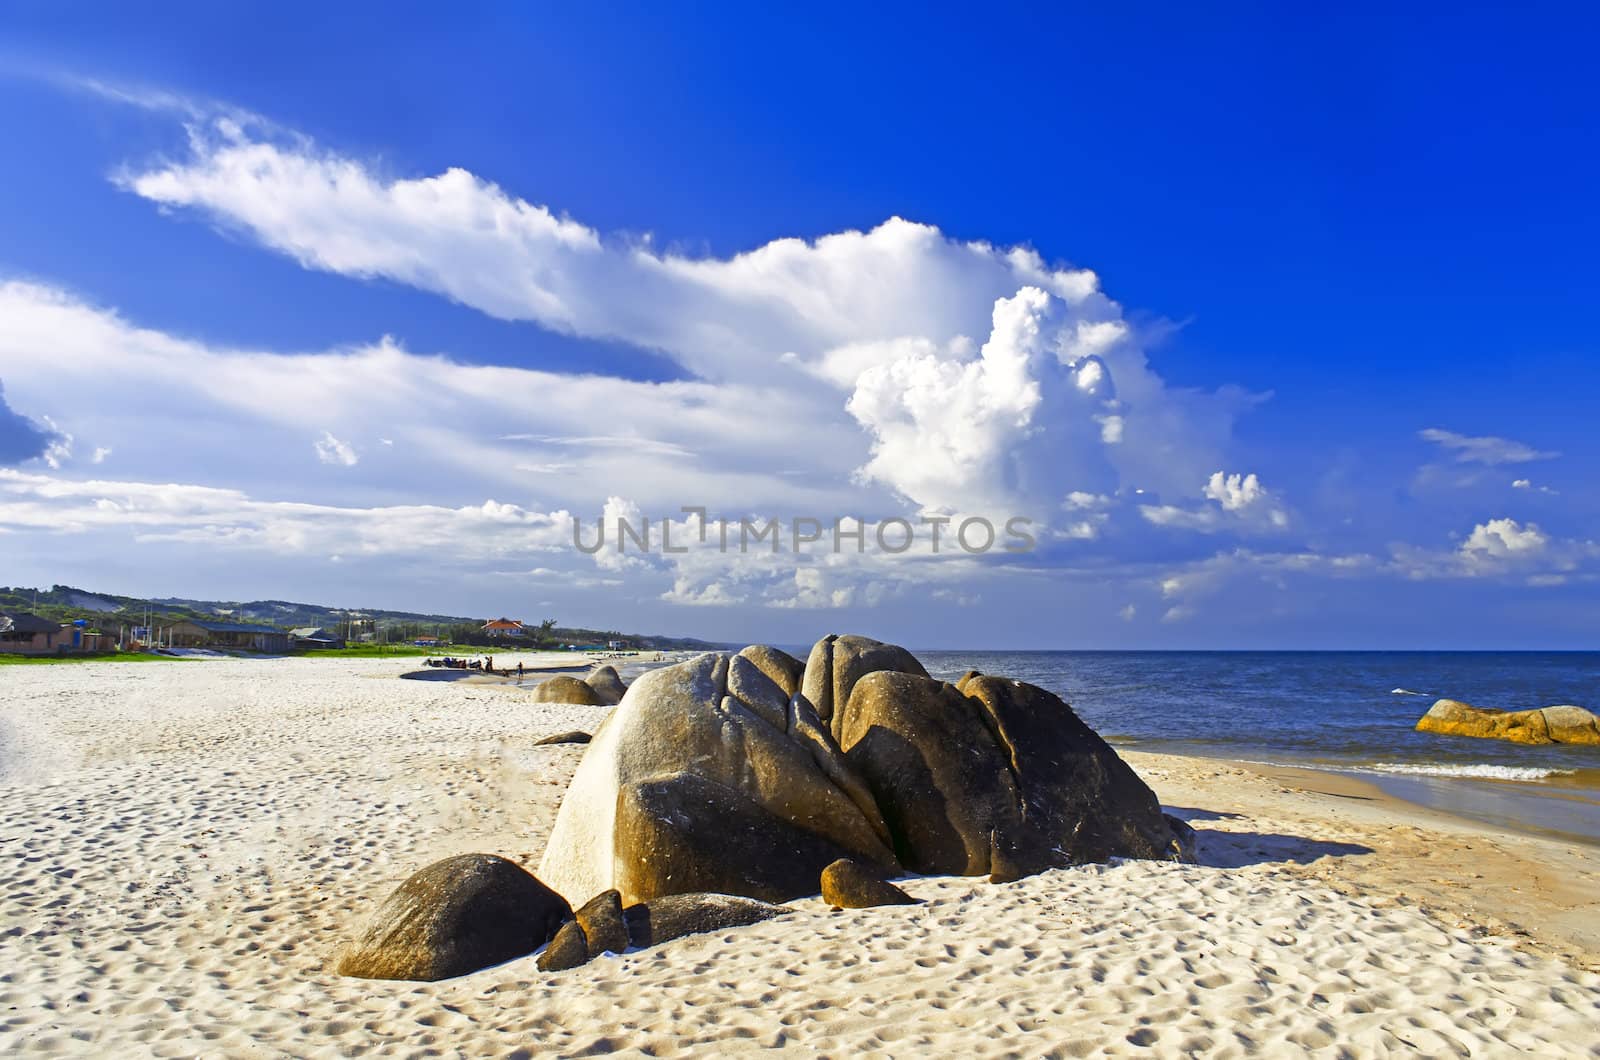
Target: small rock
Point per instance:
(602, 923)
(567, 950)
(563, 737)
(851, 884)
(675, 915)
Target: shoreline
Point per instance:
(190, 845)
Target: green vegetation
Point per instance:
(105, 656)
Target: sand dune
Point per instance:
(187, 843)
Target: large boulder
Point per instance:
(1564, 724)
(455, 916)
(837, 663)
(563, 688)
(718, 729)
(607, 685)
(995, 776)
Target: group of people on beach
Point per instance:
(486, 664)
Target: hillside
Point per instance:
(109, 611)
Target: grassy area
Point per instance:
(374, 651)
(57, 660)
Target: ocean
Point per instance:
(1351, 711)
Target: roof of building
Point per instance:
(312, 633)
(232, 627)
(24, 622)
(502, 623)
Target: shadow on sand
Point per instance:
(1234, 850)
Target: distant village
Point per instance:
(24, 633)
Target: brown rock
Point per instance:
(837, 663)
(563, 737)
(930, 762)
(685, 833)
(607, 685)
(1004, 779)
(783, 669)
(676, 915)
(1564, 724)
(720, 719)
(563, 688)
(603, 927)
(453, 917)
(850, 884)
(567, 950)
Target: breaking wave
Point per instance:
(1479, 772)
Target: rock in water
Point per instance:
(784, 669)
(607, 685)
(567, 950)
(837, 663)
(563, 688)
(995, 776)
(676, 915)
(1565, 724)
(563, 737)
(849, 884)
(602, 923)
(720, 720)
(456, 916)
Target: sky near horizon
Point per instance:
(1278, 328)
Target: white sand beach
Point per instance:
(186, 844)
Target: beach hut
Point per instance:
(196, 633)
(310, 638)
(22, 633)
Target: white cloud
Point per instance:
(1062, 398)
(1504, 539)
(1487, 449)
(331, 450)
(1240, 502)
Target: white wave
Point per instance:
(1475, 771)
(1407, 692)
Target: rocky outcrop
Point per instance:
(724, 774)
(1564, 724)
(849, 884)
(837, 663)
(607, 685)
(707, 777)
(566, 689)
(455, 916)
(995, 776)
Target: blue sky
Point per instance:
(362, 310)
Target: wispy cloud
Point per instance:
(1486, 449)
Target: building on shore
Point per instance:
(236, 636)
(23, 633)
(311, 638)
(507, 628)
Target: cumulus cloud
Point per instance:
(1501, 539)
(1239, 501)
(331, 450)
(850, 316)
(1487, 449)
